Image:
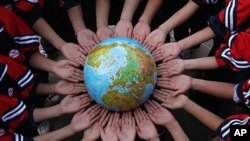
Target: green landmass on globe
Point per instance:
(120, 74)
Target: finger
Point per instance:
(116, 119)
(137, 119)
(159, 97)
(123, 120)
(149, 108)
(72, 63)
(157, 105)
(106, 120)
(152, 105)
(141, 115)
(129, 116)
(152, 117)
(95, 39)
(133, 121)
(72, 79)
(111, 120)
(145, 115)
(92, 108)
(130, 32)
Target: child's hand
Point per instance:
(110, 131)
(104, 33)
(74, 53)
(127, 131)
(158, 114)
(71, 104)
(141, 31)
(67, 70)
(123, 28)
(179, 83)
(87, 39)
(82, 120)
(93, 132)
(155, 39)
(167, 52)
(170, 68)
(64, 87)
(146, 129)
(175, 102)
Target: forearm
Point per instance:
(44, 29)
(197, 38)
(41, 63)
(217, 89)
(40, 114)
(204, 63)
(45, 89)
(179, 17)
(76, 18)
(102, 12)
(129, 9)
(211, 120)
(176, 131)
(150, 10)
(55, 135)
(154, 139)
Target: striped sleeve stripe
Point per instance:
(26, 79)
(247, 97)
(18, 137)
(33, 1)
(229, 15)
(225, 130)
(231, 39)
(15, 112)
(29, 39)
(4, 72)
(1, 29)
(237, 63)
(211, 1)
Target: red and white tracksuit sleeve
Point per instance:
(14, 116)
(233, 26)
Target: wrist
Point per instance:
(194, 83)
(144, 20)
(166, 29)
(188, 105)
(156, 138)
(171, 125)
(58, 110)
(79, 28)
(181, 45)
(84, 138)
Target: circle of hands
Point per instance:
(100, 123)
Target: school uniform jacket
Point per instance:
(17, 40)
(14, 117)
(224, 129)
(16, 80)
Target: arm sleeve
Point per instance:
(235, 53)
(29, 10)
(218, 27)
(13, 136)
(242, 93)
(15, 115)
(224, 129)
(21, 76)
(20, 36)
(70, 3)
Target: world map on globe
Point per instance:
(120, 74)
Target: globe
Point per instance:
(120, 74)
